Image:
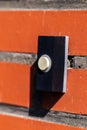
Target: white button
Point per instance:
(44, 63)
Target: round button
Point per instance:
(44, 63)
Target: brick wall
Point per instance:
(20, 108)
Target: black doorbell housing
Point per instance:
(51, 72)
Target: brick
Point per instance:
(15, 89)
(22, 35)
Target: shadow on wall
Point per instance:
(41, 102)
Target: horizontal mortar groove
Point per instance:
(21, 58)
(44, 4)
(71, 119)
(76, 62)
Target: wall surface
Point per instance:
(45, 4)
(21, 107)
